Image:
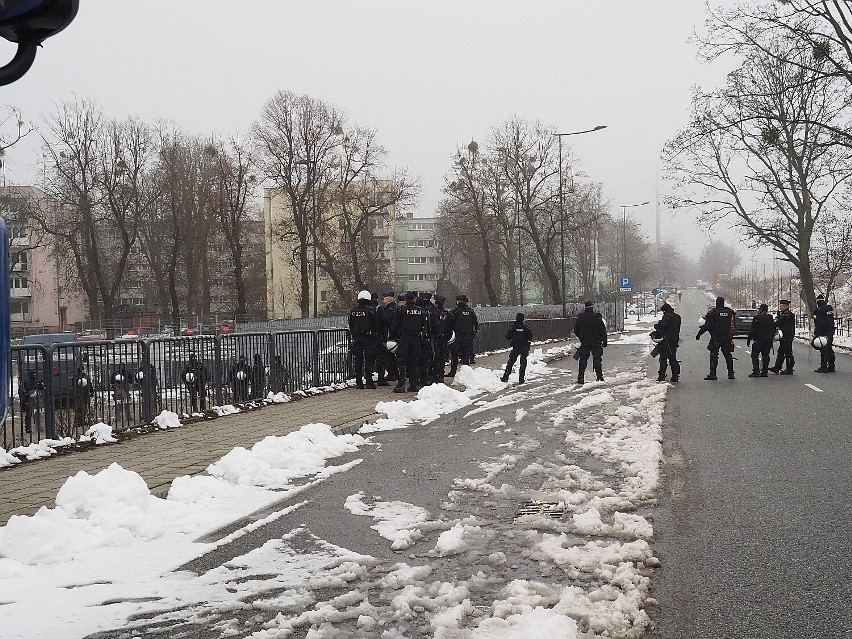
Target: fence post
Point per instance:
(49, 399)
(218, 373)
(147, 388)
(315, 355)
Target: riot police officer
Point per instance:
(760, 337)
(719, 322)
(824, 327)
(521, 336)
(466, 327)
(590, 329)
(669, 330)
(364, 328)
(239, 376)
(445, 327)
(409, 323)
(785, 322)
(427, 340)
(385, 360)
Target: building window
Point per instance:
(20, 309)
(323, 296)
(417, 260)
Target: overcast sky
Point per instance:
(427, 76)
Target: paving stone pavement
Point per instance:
(161, 456)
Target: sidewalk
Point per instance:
(161, 456)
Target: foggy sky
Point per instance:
(427, 76)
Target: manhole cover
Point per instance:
(546, 508)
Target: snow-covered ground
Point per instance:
(575, 561)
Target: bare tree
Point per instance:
(296, 137)
(10, 119)
(97, 187)
(236, 181)
(361, 204)
(717, 258)
(831, 251)
(750, 155)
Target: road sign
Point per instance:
(626, 286)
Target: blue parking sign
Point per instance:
(625, 283)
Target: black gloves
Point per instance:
(748, 342)
(698, 336)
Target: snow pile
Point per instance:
(42, 449)
(398, 521)
(7, 459)
(222, 411)
(166, 420)
(432, 402)
(274, 461)
(478, 380)
(99, 433)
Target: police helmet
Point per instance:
(452, 337)
(391, 345)
(819, 342)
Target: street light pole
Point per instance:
(624, 208)
(562, 217)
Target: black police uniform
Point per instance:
(521, 338)
(669, 330)
(591, 331)
(239, 376)
(29, 394)
(385, 360)
(785, 322)
(824, 327)
(445, 327)
(364, 329)
(408, 325)
(761, 336)
(195, 378)
(466, 327)
(719, 322)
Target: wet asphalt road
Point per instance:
(754, 526)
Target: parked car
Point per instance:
(65, 363)
(742, 320)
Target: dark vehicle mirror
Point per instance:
(29, 23)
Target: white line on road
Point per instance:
(812, 387)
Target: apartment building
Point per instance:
(43, 292)
(376, 256)
(418, 264)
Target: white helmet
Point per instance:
(118, 378)
(189, 377)
(819, 342)
(82, 381)
(241, 374)
(452, 337)
(391, 345)
(364, 295)
(140, 375)
(778, 336)
(701, 321)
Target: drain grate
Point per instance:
(546, 508)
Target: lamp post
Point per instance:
(562, 216)
(312, 172)
(624, 208)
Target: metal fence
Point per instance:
(129, 382)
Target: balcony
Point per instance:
(21, 293)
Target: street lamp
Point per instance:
(624, 208)
(312, 171)
(562, 215)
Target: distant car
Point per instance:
(188, 331)
(66, 359)
(742, 320)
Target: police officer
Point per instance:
(785, 322)
(445, 327)
(590, 329)
(761, 334)
(195, 379)
(669, 330)
(824, 327)
(409, 323)
(427, 340)
(83, 392)
(364, 328)
(521, 336)
(719, 322)
(121, 380)
(258, 377)
(385, 360)
(239, 376)
(466, 327)
(29, 390)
